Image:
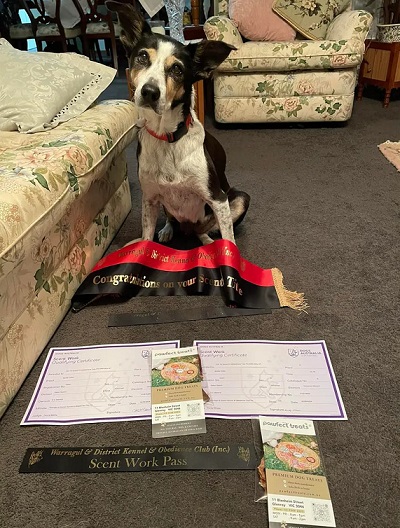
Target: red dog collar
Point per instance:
(171, 137)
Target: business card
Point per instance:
(298, 493)
(177, 406)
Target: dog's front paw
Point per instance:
(133, 241)
(165, 234)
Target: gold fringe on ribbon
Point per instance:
(291, 299)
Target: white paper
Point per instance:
(105, 383)
(152, 6)
(69, 15)
(274, 378)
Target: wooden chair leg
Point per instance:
(76, 45)
(114, 53)
(108, 47)
(39, 46)
(91, 50)
(85, 46)
(97, 47)
(92, 53)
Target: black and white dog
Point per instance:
(181, 167)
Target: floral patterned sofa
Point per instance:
(63, 195)
(302, 80)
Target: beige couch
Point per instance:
(63, 195)
(302, 80)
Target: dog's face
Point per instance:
(161, 73)
(163, 70)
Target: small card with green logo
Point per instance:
(296, 484)
(177, 406)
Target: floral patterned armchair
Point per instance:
(302, 80)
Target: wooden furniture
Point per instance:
(195, 12)
(199, 88)
(48, 29)
(20, 31)
(11, 26)
(199, 104)
(195, 30)
(97, 24)
(391, 11)
(380, 67)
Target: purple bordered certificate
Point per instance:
(245, 379)
(102, 383)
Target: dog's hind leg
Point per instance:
(239, 202)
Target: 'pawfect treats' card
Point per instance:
(296, 484)
(177, 406)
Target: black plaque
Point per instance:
(138, 458)
(189, 314)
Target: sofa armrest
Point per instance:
(350, 25)
(222, 28)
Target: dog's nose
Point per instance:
(150, 93)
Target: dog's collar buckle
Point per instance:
(172, 137)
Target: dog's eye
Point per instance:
(176, 70)
(143, 57)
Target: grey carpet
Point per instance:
(325, 210)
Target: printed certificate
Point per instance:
(104, 383)
(245, 379)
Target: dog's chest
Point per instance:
(176, 176)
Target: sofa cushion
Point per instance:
(256, 20)
(52, 30)
(46, 89)
(284, 109)
(311, 18)
(285, 84)
(21, 31)
(296, 55)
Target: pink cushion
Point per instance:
(255, 20)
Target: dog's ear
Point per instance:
(133, 25)
(207, 56)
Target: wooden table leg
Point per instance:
(195, 12)
(360, 91)
(199, 106)
(386, 100)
